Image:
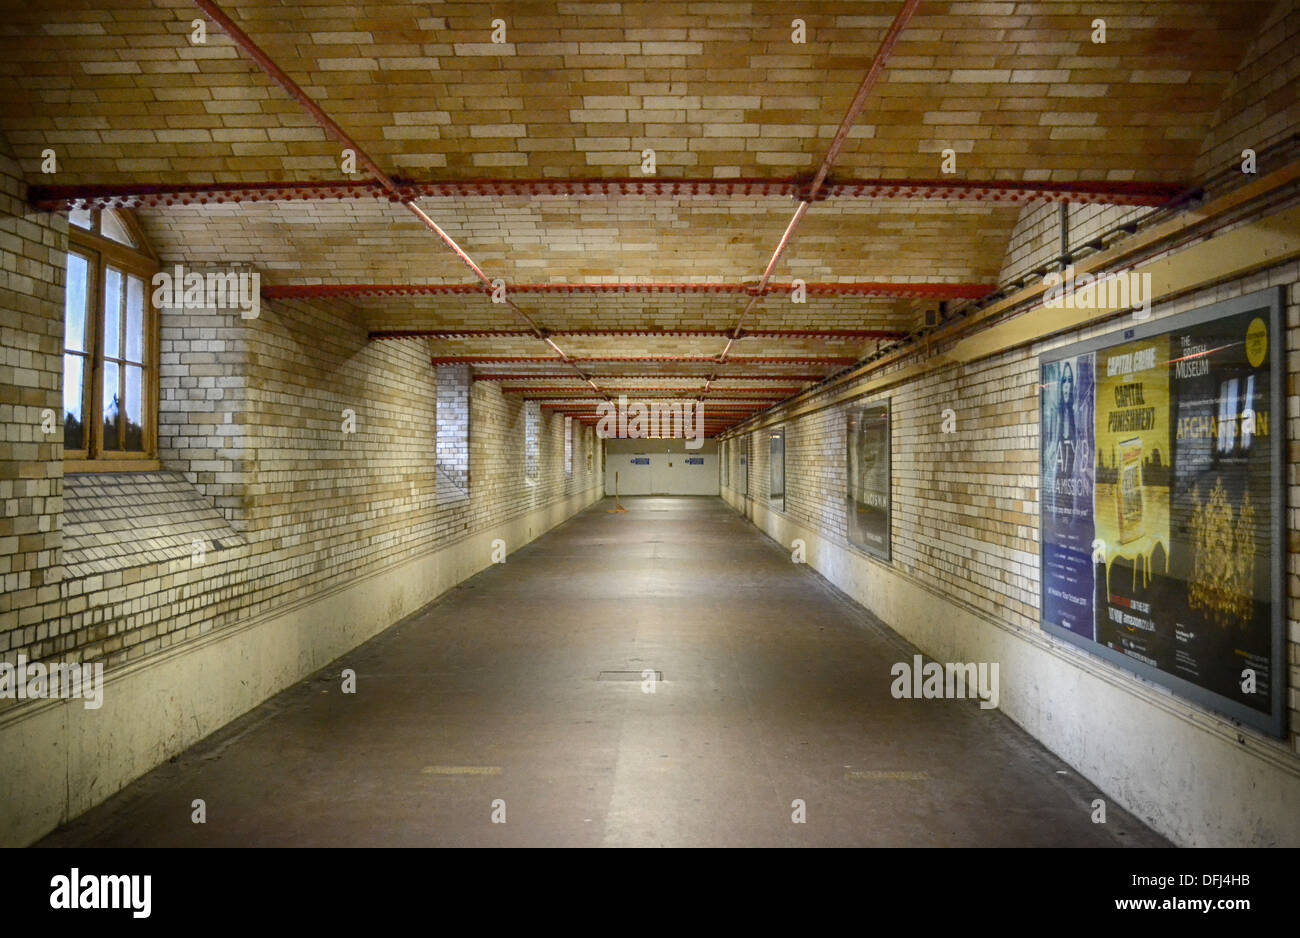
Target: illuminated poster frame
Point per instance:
(776, 469)
(743, 466)
(1138, 432)
(869, 479)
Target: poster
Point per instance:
(1067, 399)
(1131, 498)
(1161, 503)
(869, 479)
(776, 469)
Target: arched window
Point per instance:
(110, 345)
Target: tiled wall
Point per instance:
(965, 504)
(1261, 104)
(965, 531)
(1036, 240)
(32, 263)
(296, 455)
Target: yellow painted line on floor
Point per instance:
(461, 770)
(882, 776)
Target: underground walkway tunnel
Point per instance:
(649, 424)
(686, 689)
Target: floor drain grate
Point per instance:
(645, 674)
(461, 770)
(876, 775)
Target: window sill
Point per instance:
(120, 521)
(71, 466)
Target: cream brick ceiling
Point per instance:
(628, 239)
(717, 89)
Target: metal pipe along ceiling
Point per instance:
(837, 142)
(280, 77)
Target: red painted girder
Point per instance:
(812, 193)
(773, 394)
(389, 185)
(63, 198)
(539, 376)
(942, 291)
(695, 359)
(847, 334)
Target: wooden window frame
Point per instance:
(103, 252)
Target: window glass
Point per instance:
(74, 397)
(112, 313)
(112, 405)
(134, 319)
(111, 226)
(74, 303)
(133, 410)
(82, 218)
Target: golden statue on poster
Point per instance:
(1223, 564)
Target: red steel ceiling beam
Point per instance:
(661, 402)
(696, 359)
(707, 420)
(938, 291)
(1127, 193)
(543, 376)
(720, 406)
(749, 394)
(570, 395)
(729, 419)
(493, 360)
(811, 194)
(328, 124)
(718, 425)
(449, 334)
(397, 334)
(712, 414)
(720, 415)
(65, 198)
(390, 185)
(847, 334)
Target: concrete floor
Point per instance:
(776, 688)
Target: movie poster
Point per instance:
(1066, 423)
(1222, 504)
(1160, 504)
(869, 479)
(1131, 500)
